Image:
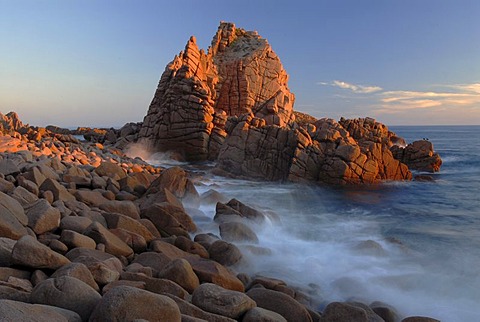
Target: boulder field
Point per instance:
(89, 234)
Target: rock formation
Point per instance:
(345, 152)
(418, 155)
(239, 74)
(232, 104)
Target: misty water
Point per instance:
(413, 245)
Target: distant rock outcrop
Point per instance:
(418, 155)
(239, 74)
(324, 152)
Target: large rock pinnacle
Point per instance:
(198, 91)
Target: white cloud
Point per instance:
(362, 89)
(443, 103)
(473, 88)
(402, 100)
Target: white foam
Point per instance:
(317, 250)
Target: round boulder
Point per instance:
(215, 299)
(68, 293)
(126, 303)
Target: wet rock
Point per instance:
(237, 232)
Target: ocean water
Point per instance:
(413, 245)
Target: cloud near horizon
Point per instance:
(362, 89)
(461, 97)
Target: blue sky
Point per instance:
(98, 62)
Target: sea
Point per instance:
(412, 245)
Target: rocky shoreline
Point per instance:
(89, 234)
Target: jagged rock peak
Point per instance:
(198, 91)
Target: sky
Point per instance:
(98, 62)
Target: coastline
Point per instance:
(88, 182)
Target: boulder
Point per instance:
(133, 240)
(170, 219)
(237, 232)
(6, 248)
(156, 261)
(419, 319)
(93, 198)
(180, 271)
(79, 271)
(191, 247)
(209, 271)
(116, 220)
(188, 309)
(225, 253)
(113, 244)
(258, 314)
(74, 239)
(280, 303)
(25, 312)
(42, 217)
(349, 311)
(31, 253)
(76, 223)
(10, 226)
(23, 196)
(9, 167)
(215, 299)
(418, 155)
(124, 207)
(67, 292)
(157, 285)
(110, 170)
(59, 191)
(128, 303)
